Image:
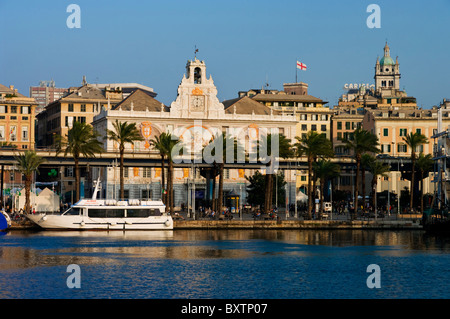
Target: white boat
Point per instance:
(108, 214)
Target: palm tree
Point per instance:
(424, 165)
(28, 164)
(360, 142)
(325, 170)
(284, 151)
(229, 144)
(123, 134)
(165, 144)
(81, 140)
(366, 160)
(159, 144)
(413, 140)
(313, 145)
(376, 168)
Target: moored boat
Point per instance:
(108, 214)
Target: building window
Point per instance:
(68, 172)
(386, 148)
(125, 172)
(13, 109)
(146, 194)
(2, 133)
(323, 128)
(25, 110)
(13, 134)
(324, 117)
(339, 135)
(339, 125)
(70, 107)
(81, 119)
(304, 127)
(3, 109)
(303, 117)
(83, 108)
(385, 132)
(403, 132)
(402, 148)
(419, 131)
(313, 127)
(303, 178)
(13, 118)
(147, 172)
(25, 133)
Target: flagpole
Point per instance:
(296, 72)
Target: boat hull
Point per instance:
(64, 222)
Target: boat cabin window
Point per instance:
(73, 211)
(106, 213)
(140, 212)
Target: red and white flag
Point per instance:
(301, 66)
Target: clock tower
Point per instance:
(197, 95)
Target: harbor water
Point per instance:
(224, 264)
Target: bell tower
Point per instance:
(197, 95)
(387, 74)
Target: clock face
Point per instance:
(197, 103)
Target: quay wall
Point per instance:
(296, 224)
(281, 224)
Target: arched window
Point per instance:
(198, 76)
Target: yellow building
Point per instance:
(80, 104)
(17, 118)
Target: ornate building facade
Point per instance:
(196, 116)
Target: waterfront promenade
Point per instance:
(394, 222)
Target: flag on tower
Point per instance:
(301, 66)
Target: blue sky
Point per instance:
(243, 43)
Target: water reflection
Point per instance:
(221, 263)
(50, 248)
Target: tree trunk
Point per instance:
(310, 199)
(213, 196)
(170, 187)
(358, 164)
(413, 160)
(363, 190)
(163, 184)
(421, 192)
(122, 190)
(374, 195)
(322, 187)
(220, 197)
(77, 180)
(27, 194)
(267, 198)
